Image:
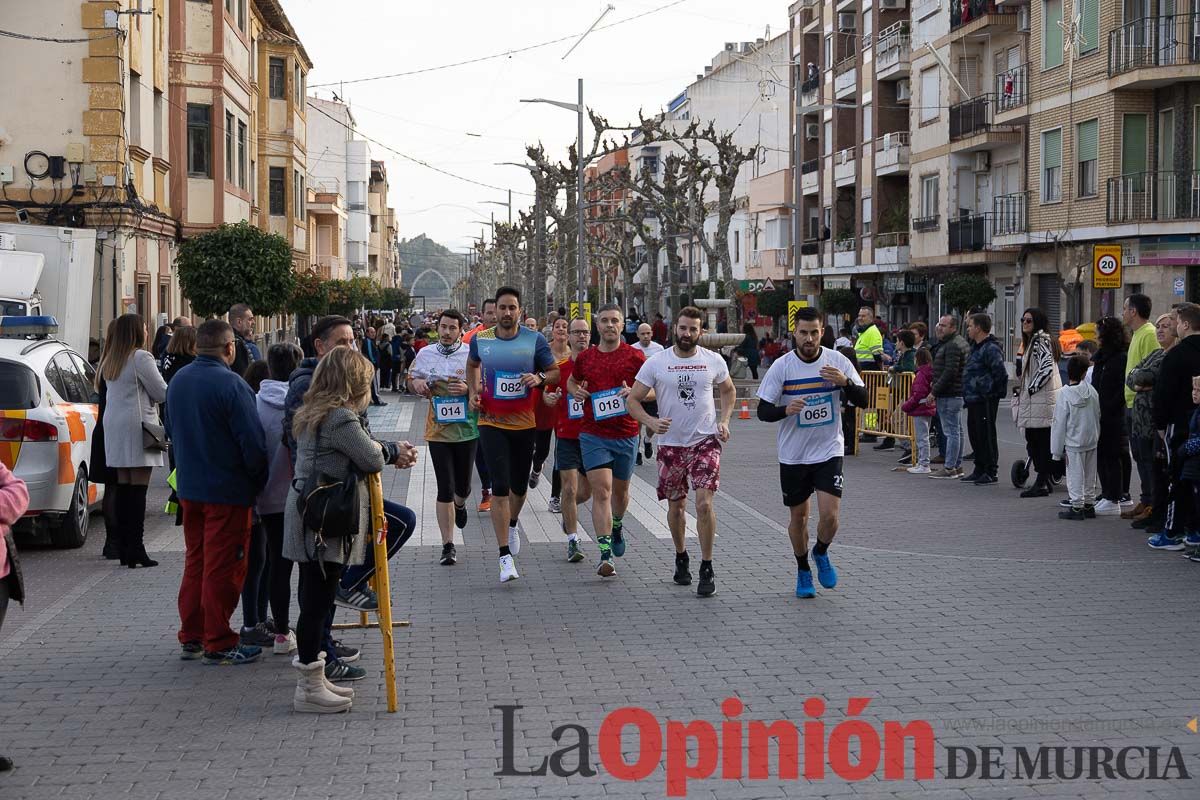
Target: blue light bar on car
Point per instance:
(28, 327)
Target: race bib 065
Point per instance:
(817, 412)
(508, 386)
(608, 404)
(450, 409)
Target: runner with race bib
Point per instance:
(601, 379)
(568, 459)
(690, 435)
(801, 391)
(505, 364)
(451, 428)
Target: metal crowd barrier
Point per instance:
(886, 392)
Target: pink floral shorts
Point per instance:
(699, 464)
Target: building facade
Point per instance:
(383, 261)
(341, 164)
(98, 156)
(853, 151)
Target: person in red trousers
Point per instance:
(220, 467)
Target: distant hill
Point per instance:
(429, 270)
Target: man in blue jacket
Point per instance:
(220, 467)
(985, 381)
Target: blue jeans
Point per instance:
(949, 411)
(401, 522)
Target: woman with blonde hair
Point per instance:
(332, 442)
(134, 390)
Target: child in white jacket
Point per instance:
(1076, 430)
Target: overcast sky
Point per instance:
(432, 116)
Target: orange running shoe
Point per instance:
(486, 503)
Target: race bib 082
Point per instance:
(450, 409)
(817, 412)
(608, 404)
(508, 386)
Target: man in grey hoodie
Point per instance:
(282, 360)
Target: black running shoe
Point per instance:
(449, 556)
(708, 584)
(460, 517)
(649, 449)
(683, 575)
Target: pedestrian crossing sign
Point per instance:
(587, 312)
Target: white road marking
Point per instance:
(422, 499)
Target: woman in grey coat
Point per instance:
(331, 441)
(134, 390)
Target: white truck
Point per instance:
(49, 270)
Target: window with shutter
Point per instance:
(930, 98)
(1087, 153)
(1133, 150)
(1052, 166)
(1089, 25)
(1052, 35)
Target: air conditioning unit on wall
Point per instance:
(983, 161)
(811, 131)
(847, 21)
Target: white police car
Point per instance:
(47, 415)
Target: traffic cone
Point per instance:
(745, 412)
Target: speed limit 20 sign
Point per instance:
(1106, 266)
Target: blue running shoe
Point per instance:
(1160, 541)
(826, 574)
(234, 656)
(804, 584)
(618, 538)
(1192, 539)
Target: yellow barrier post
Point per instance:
(382, 588)
(887, 392)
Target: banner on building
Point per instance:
(1106, 266)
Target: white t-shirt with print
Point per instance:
(652, 349)
(683, 389)
(813, 436)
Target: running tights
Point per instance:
(541, 448)
(452, 462)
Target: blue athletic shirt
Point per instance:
(505, 402)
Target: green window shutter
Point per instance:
(1087, 141)
(1052, 35)
(1133, 144)
(1051, 149)
(1089, 25)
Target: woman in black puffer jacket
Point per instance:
(1112, 453)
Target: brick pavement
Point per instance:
(962, 605)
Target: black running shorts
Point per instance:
(509, 457)
(799, 481)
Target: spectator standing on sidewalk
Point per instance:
(985, 381)
(14, 501)
(1142, 342)
(1112, 452)
(1142, 379)
(221, 465)
(1173, 409)
(135, 388)
(1035, 396)
(241, 319)
(921, 406)
(948, 364)
(1077, 429)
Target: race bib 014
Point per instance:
(450, 409)
(608, 404)
(574, 408)
(817, 412)
(508, 386)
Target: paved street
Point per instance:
(960, 605)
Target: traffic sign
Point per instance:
(1178, 286)
(1106, 266)
(769, 286)
(587, 311)
(794, 307)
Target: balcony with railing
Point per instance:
(970, 233)
(1154, 51)
(808, 176)
(892, 151)
(926, 224)
(1012, 93)
(893, 52)
(1010, 214)
(845, 253)
(810, 94)
(980, 16)
(1154, 197)
(845, 167)
(891, 248)
(845, 80)
(973, 126)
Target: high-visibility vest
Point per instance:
(869, 345)
(1068, 340)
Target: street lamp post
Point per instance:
(507, 205)
(580, 252)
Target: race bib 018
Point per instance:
(508, 386)
(608, 404)
(574, 408)
(817, 412)
(450, 409)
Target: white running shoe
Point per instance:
(508, 569)
(285, 644)
(555, 505)
(514, 539)
(918, 470)
(1107, 508)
